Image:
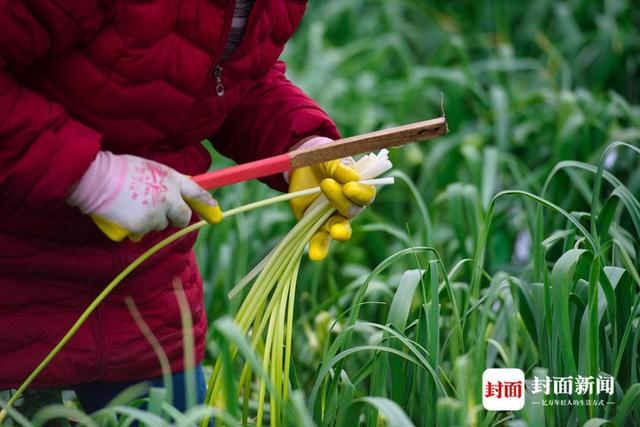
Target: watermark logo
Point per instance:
(503, 389)
(563, 388)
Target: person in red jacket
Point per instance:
(103, 105)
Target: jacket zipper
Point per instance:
(218, 69)
(217, 72)
(219, 83)
(214, 71)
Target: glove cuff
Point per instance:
(100, 184)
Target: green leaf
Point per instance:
(627, 405)
(392, 413)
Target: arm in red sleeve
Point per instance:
(43, 151)
(272, 118)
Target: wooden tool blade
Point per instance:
(369, 142)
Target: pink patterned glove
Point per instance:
(128, 196)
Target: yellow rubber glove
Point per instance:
(128, 196)
(338, 183)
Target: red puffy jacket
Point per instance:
(136, 77)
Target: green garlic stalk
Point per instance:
(269, 304)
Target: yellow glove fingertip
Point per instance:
(330, 186)
(339, 228)
(341, 172)
(341, 233)
(113, 231)
(333, 191)
(361, 194)
(319, 246)
(211, 214)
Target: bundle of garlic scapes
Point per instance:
(270, 301)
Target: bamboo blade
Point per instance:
(369, 142)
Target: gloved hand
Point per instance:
(336, 179)
(128, 196)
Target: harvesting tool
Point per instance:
(345, 147)
(301, 157)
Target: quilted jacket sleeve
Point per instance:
(272, 118)
(43, 151)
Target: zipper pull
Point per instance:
(219, 84)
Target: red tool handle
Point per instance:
(244, 172)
